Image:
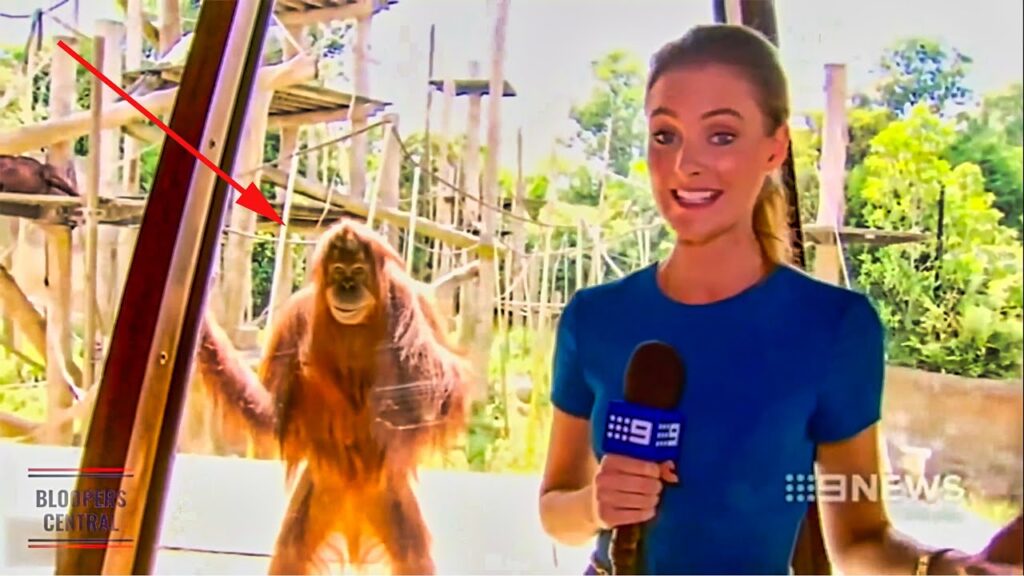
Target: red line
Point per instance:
(80, 545)
(151, 116)
(83, 470)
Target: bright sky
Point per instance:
(550, 44)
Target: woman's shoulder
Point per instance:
(623, 289)
(823, 299)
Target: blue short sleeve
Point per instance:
(570, 392)
(850, 398)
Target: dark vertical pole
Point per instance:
(939, 234)
(809, 554)
(760, 15)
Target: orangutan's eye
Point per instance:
(722, 138)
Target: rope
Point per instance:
(34, 13)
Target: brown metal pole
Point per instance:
(138, 407)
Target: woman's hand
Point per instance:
(1003, 555)
(959, 563)
(627, 490)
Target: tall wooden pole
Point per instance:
(488, 212)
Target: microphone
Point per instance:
(644, 425)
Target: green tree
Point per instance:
(961, 313)
(992, 139)
(617, 100)
(918, 70)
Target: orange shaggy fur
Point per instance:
(354, 410)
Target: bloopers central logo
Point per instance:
(92, 529)
(873, 488)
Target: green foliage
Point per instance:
(960, 314)
(992, 139)
(618, 100)
(922, 70)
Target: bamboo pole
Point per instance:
(358, 144)
(388, 184)
(281, 284)
(445, 196)
(471, 155)
(170, 25)
(484, 332)
(827, 257)
(97, 151)
(410, 233)
(58, 255)
(427, 176)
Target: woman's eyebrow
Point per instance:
(721, 112)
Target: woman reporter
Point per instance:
(783, 371)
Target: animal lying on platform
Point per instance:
(27, 175)
(358, 384)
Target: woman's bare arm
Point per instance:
(566, 493)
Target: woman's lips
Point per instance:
(696, 198)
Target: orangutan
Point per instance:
(26, 175)
(357, 385)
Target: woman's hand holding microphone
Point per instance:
(627, 490)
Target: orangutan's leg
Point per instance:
(399, 523)
(304, 529)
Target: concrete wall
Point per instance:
(972, 426)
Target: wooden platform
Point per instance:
(480, 86)
(823, 234)
(222, 514)
(314, 11)
(128, 210)
(296, 105)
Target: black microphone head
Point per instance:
(655, 376)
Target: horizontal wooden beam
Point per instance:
(36, 136)
(298, 119)
(429, 228)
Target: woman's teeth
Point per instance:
(695, 197)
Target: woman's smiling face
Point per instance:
(709, 150)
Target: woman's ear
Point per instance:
(779, 148)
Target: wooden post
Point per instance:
(827, 256)
(389, 181)
(130, 178)
(58, 254)
(471, 155)
(361, 74)
(516, 263)
(281, 284)
(445, 195)
(426, 176)
(109, 185)
(98, 148)
(170, 25)
(236, 281)
(488, 211)
(235, 293)
(410, 231)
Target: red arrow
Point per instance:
(250, 197)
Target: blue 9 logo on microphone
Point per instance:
(642, 432)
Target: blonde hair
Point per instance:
(771, 222)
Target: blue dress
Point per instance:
(771, 372)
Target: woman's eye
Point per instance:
(722, 138)
(663, 137)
